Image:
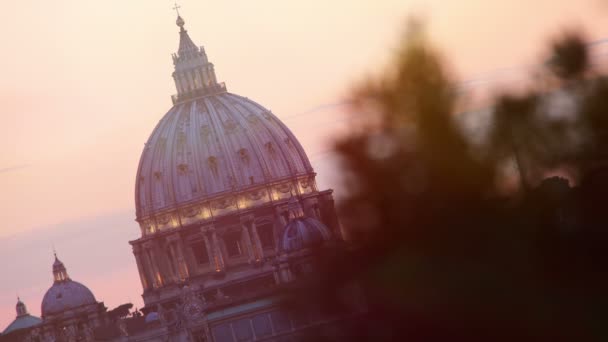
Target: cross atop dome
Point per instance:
(180, 21)
(176, 8)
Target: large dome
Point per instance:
(212, 145)
(213, 149)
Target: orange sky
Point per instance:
(84, 82)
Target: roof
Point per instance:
(22, 322)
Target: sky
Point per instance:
(84, 83)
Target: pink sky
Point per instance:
(84, 82)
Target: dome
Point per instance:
(152, 317)
(213, 145)
(303, 232)
(23, 321)
(66, 295)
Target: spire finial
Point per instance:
(180, 21)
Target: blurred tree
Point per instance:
(570, 59)
(439, 253)
(121, 311)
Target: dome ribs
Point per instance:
(282, 166)
(278, 133)
(207, 149)
(223, 144)
(143, 190)
(214, 148)
(248, 142)
(196, 112)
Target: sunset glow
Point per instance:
(84, 83)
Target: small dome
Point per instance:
(66, 295)
(22, 322)
(24, 319)
(303, 232)
(152, 317)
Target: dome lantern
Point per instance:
(60, 273)
(194, 75)
(21, 308)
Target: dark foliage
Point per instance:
(121, 311)
(570, 56)
(437, 250)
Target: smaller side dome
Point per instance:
(23, 321)
(303, 232)
(152, 317)
(64, 294)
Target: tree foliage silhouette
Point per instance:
(439, 252)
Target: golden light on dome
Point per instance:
(276, 195)
(244, 203)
